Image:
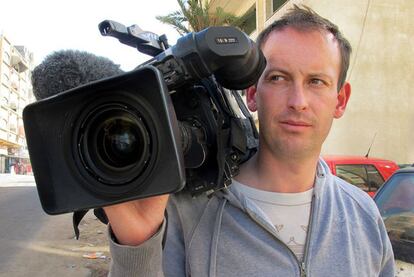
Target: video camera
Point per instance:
(175, 121)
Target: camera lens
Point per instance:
(120, 140)
(115, 144)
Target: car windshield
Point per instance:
(396, 204)
(397, 196)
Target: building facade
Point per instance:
(381, 33)
(16, 63)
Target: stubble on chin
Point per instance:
(289, 146)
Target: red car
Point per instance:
(366, 173)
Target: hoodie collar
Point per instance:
(239, 200)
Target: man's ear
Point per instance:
(343, 98)
(251, 98)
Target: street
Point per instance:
(33, 243)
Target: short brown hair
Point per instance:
(304, 18)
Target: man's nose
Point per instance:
(298, 98)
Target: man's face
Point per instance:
(296, 97)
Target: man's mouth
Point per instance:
(296, 123)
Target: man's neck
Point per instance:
(279, 175)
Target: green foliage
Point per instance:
(195, 15)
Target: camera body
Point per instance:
(176, 121)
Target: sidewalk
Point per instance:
(7, 179)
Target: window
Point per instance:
(6, 78)
(3, 123)
(398, 194)
(6, 57)
(249, 21)
(366, 177)
(4, 101)
(276, 4)
(273, 6)
(396, 205)
(374, 177)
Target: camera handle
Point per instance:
(146, 42)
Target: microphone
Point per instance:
(66, 69)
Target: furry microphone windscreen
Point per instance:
(67, 69)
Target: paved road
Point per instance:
(34, 244)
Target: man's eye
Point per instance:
(317, 82)
(275, 78)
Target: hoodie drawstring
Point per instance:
(215, 239)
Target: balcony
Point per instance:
(13, 101)
(18, 62)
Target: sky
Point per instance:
(45, 26)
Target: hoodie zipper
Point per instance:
(309, 232)
(301, 265)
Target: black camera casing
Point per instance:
(63, 180)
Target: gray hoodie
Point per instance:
(226, 234)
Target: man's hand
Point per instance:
(136, 221)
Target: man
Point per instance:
(285, 213)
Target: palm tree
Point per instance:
(195, 15)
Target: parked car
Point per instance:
(367, 173)
(395, 201)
